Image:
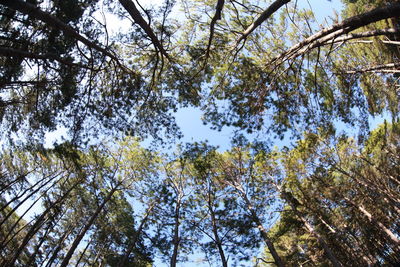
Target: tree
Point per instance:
(266, 68)
(241, 173)
(329, 186)
(80, 197)
(84, 79)
(226, 235)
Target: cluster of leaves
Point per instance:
(61, 69)
(349, 194)
(127, 206)
(259, 67)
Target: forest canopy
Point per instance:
(115, 73)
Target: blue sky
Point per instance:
(189, 119)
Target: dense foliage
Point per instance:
(329, 198)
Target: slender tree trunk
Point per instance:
(4, 242)
(36, 226)
(5, 187)
(372, 187)
(176, 239)
(78, 239)
(352, 203)
(331, 229)
(335, 262)
(37, 248)
(392, 205)
(268, 242)
(83, 253)
(329, 253)
(11, 234)
(371, 218)
(58, 247)
(27, 190)
(23, 201)
(135, 238)
(43, 238)
(264, 233)
(215, 232)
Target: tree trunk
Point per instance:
(83, 253)
(58, 248)
(135, 238)
(270, 245)
(291, 199)
(4, 242)
(78, 239)
(17, 196)
(36, 226)
(383, 228)
(37, 247)
(176, 239)
(264, 233)
(215, 232)
(26, 198)
(19, 177)
(335, 262)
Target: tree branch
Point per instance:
(390, 67)
(352, 36)
(217, 16)
(137, 18)
(35, 12)
(348, 25)
(263, 17)
(11, 52)
(371, 42)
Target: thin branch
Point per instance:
(339, 29)
(263, 17)
(35, 12)
(11, 52)
(371, 42)
(379, 68)
(217, 16)
(137, 18)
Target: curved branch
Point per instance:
(11, 52)
(137, 18)
(263, 17)
(217, 16)
(52, 21)
(348, 25)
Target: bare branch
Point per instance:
(372, 41)
(11, 52)
(217, 16)
(137, 18)
(263, 17)
(390, 68)
(339, 29)
(35, 12)
(352, 36)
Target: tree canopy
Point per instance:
(113, 73)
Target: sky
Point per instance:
(189, 119)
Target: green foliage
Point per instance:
(332, 183)
(325, 199)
